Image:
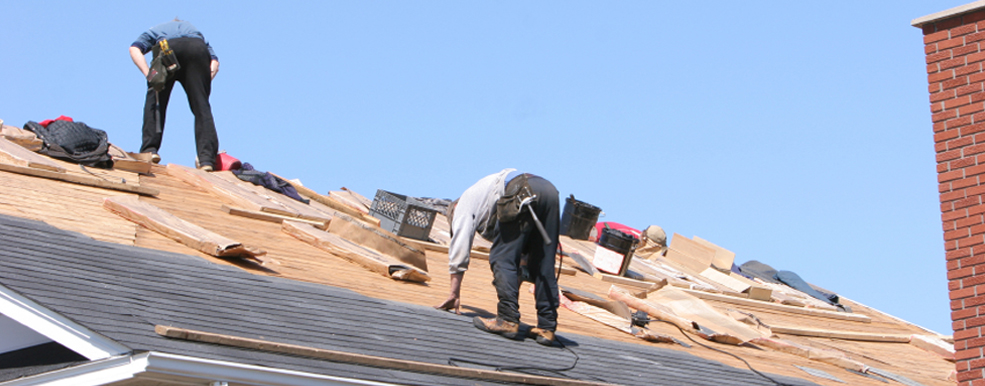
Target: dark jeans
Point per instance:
(195, 76)
(521, 238)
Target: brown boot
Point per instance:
(544, 337)
(499, 326)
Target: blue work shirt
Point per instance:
(170, 30)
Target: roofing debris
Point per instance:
(685, 291)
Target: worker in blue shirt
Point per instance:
(198, 66)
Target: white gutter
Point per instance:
(57, 327)
(170, 368)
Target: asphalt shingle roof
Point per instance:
(122, 292)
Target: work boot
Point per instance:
(499, 326)
(544, 337)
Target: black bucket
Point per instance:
(578, 218)
(619, 242)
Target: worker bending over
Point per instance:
(499, 207)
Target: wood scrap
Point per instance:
(24, 138)
(80, 179)
(723, 259)
(229, 188)
(373, 260)
(708, 322)
(351, 199)
(816, 354)
(755, 291)
(366, 360)
(169, 225)
(332, 202)
(844, 335)
(746, 287)
(618, 322)
(690, 255)
(781, 307)
(293, 207)
(476, 254)
(123, 161)
(271, 217)
(379, 240)
(13, 154)
(935, 345)
(655, 311)
(627, 282)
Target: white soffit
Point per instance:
(57, 327)
(15, 336)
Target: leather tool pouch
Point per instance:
(164, 65)
(508, 206)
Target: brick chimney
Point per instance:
(954, 42)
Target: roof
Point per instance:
(122, 293)
(101, 284)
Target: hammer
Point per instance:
(527, 201)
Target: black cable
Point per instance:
(778, 383)
(496, 367)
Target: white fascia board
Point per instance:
(180, 369)
(57, 327)
(242, 374)
(102, 372)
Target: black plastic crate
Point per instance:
(402, 215)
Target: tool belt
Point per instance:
(163, 66)
(508, 206)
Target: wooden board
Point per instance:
(847, 335)
(688, 254)
(169, 225)
(24, 138)
(291, 206)
(123, 161)
(332, 202)
(378, 240)
(272, 217)
(735, 285)
(373, 260)
(723, 259)
(782, 307)
(14, 154)
(79, 179)
(367, 360)
(351, 199)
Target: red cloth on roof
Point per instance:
(46, 122)
(617, 226)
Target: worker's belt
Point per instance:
(508, 206)
(163, 66)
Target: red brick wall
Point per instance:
(955, 49)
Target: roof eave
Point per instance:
(58, 328)
(171, 368)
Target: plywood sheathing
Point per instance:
(171, 226)
(379, 240)
(66, 206)
(371, 259)
(13, 154)
(300, 261)
(331, 202)
(352, 199)
(24, 138)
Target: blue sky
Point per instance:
(793, 133)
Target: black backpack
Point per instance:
(73, 142)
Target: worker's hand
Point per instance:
(214, 67)
(453, 304)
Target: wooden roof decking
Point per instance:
(79, 208)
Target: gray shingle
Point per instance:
(121, 292)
